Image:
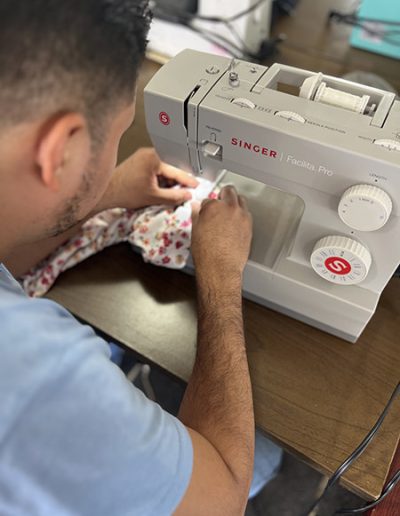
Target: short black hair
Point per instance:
(62, 55)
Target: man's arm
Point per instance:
(217, 407)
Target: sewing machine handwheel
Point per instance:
(365, 207)
(341, 260)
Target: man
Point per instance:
(75, 437)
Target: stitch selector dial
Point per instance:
(341, 260)
(365, 207)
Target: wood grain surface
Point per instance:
(314, 394)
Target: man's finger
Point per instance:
(243, 202)
(174, 196)
(178, 175)
(229, 195)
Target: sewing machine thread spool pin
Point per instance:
(234, 79)
(313, 88)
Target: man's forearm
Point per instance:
(218, 400)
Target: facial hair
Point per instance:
(69, 216)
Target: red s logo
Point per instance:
(338, 265)
(164, 118)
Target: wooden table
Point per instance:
(314, 394)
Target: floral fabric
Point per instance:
(163, 234)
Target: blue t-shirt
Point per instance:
(76, 438)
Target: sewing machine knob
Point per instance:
(365, 207)
(341, 260)
(242, 102)
(291, 116)
(391, 145)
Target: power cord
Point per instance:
(186, 19)
(214, 19)
(354, 456)
(364, 23)
(387, 489)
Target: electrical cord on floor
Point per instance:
(356, 454)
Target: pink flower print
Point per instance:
(167, 240)
(185, 235)
(45, 281)
(166, 260)
(60, 262)
(144, 229)
(78, 242)
(179, 244)
(186, 223)
(162, 250)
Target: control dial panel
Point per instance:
(341, 260)
(365, 207)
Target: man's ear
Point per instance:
(63, 146)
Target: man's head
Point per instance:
(67, 83)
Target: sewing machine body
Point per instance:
(294, 159)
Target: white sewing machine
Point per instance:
(318, 159)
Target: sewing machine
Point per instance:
(318, 159)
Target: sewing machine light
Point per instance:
(365, 207)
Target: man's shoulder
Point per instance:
(37, 337)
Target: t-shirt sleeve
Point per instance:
(89, 442)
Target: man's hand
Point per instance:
(144, 180)
(221, 239)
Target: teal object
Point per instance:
(387, 39)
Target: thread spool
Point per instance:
(341, 99)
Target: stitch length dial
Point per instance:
(365, 207)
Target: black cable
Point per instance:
(216, 39)
(380, 34)
(358, 451)
(185, 19)
(246, 11)
(361, 22)
(353, 17)
(388, 488)
(215, 19)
